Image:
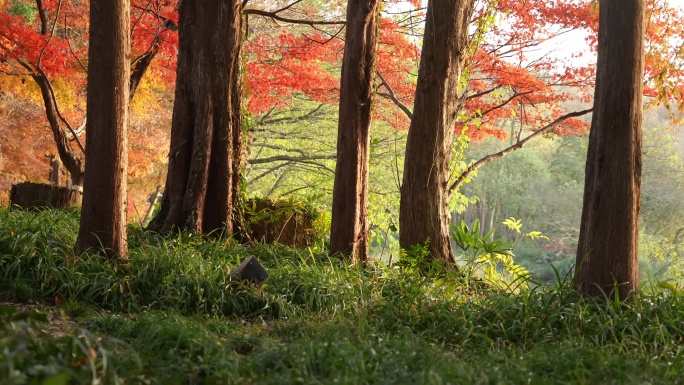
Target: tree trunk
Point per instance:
(103, 214)
(200, 182)
(609, 231)
(67, 155)
(492, 217)
(424, 213)
(349, 227)
(238, 145)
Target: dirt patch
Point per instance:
(58, 323)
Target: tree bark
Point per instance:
(67, 155)
(238, 144)
(349, 227)
(424, 213)
(103, 214)
(609, 231)
(200, 182)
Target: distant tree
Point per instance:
(349, 227)
(46, 40)
(103, 215)
(607, 249)
(200, 185)
(424, 211)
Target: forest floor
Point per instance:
(170, 315)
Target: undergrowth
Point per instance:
(170, 314)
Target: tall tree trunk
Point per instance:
(103, 214)
(349, 227)
(492, 216)
(238, 144)
(424, 213)
(200, 184)
(609, 231)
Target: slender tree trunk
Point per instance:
(200, 182)
(483, 215)
(609, 232)
(349, 227)
(103, 214)
(492, 217)
(238, 144)
(424, 213)
(67, 155)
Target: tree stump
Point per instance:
(271, 222)
(29, 195)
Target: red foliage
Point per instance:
(507, 79)
(281, 64)
(20, 40)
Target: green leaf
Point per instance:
(668, 286)
(513, 224)
(536, 234)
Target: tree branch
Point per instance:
(135, 24)
(274, 15)
(269, 171)
(502, 104)
(280, 148)
(71, 49)
(483, 93)
(288, 158)
(43, 17)
(52, 33)
(304, 116)
(518, 145)
(141, 63)
(392, 96)
(42, 75)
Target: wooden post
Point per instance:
(152, 200)
(55, 170)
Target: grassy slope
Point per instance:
(169, 315)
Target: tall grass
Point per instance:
(173, 316)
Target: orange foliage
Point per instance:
(24, 141)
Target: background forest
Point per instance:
(166, 303)
(291, 134)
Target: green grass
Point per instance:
(169, 315)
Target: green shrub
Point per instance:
(30, 355)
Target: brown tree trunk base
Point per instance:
(29, 195)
